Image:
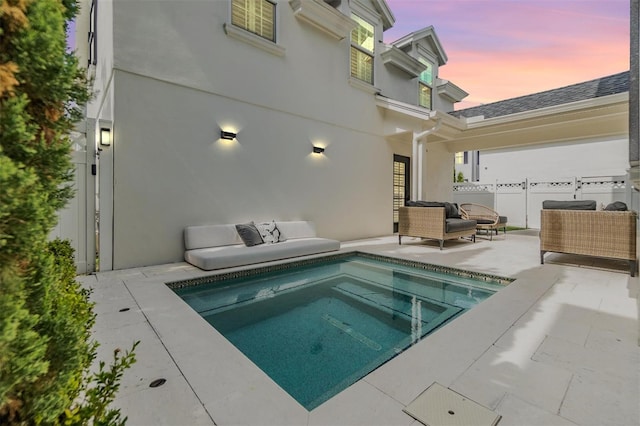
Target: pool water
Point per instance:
(319, 328)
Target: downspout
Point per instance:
(417, 158)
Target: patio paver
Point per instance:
(558, 346)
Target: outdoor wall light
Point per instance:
(105, 136)
(227, 135)
(318, 150)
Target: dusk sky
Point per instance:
(500, 49)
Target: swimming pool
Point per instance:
(317, 326)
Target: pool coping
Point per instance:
(226, 382)
(251, 271)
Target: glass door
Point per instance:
(401, 190)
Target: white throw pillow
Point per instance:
(270, 233)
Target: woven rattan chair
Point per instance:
(432, 223)
(488, 219)
(610, 234)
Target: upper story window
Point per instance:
(362, 45)
(256, 16)
(460, 157)
(426, 76)
(93, 38)
(424, 95)
(425, 85)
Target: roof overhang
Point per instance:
(401, 119)
(385, 13)
(605, 116)
(429, 36)
(401, 60)
(324, 17)
(450, 91)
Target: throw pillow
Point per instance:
(270, 233)
(616, 206)
(451, 211)
(249, 234)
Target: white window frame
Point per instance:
(254, 39)
(93, 34)
(425, 82)
(355, 80)
(420, 84)
(459, 157)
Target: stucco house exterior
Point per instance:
(283, 76)
(279, 78)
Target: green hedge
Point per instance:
(45, 316)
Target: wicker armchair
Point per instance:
(487, 219)
(432, 223)
(610, 234)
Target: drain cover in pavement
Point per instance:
(440, 406)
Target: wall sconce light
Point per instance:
(227, 135)
(105, 136)
(318, 150)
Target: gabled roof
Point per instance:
(385, 13)
(427, 34)
(610, 85)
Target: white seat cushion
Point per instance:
(203, 236)
(238, 255)
(297, 229)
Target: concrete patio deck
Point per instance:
(558, 346)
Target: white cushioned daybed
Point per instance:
(221, 246)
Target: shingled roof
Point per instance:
(610, 85)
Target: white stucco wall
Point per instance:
(596, 157)
(171, 79)
(312, 78)
(439, 173)
(171, 170)
(396, 86)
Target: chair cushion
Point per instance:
(296, 229)
(456, 225)
(450, 209)
(569, 205)
(484, 221)
(201, 236)
(237, 255)
(424, 204)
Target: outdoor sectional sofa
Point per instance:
(433, 220)
(220, 246)
(575, 227)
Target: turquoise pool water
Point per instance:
(318, 328)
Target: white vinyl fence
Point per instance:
(521, 199)
(75, 220)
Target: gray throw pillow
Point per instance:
(249, 234)
(616, 206)
(452, 211)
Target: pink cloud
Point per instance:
(499, 49)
